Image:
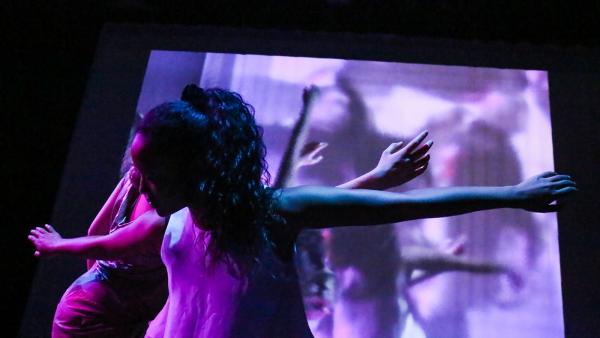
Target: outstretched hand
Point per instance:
(44, 239)
(543, 192)
(310, 154)
(310, 95)
(399, 164)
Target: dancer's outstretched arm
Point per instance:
(318, 207)
(142, 235)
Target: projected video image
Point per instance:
(488, 274)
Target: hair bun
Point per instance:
(195, 96)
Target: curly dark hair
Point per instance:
(211, 140)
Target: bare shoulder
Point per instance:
(300, 206)
(293, 201)
(150, 228)
(150, 221)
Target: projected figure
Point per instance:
(202, 159)
(366, 304)
(299, 153)
(354, 146)
(488, 157)
(396, 166)
(368, 295)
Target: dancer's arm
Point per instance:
(397, 165)
(317, 207)
(101, 224)
(144, 233)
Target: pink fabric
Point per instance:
(98, 306)
(115, 298)
(207, 300)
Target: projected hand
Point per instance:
(543, 192)
(399, 165)
(511, 288)
(455, 246)
(310, 95)
(309, 155)
(44, 240)
(515, 278)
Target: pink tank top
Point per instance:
(208, 300)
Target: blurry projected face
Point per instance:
(489, 274)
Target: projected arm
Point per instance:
(292, 158)
(424, 263)
(318, 207)
(144, 233)
(397, 165)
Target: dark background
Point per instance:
(51, 44)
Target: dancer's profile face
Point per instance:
(159, 184)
